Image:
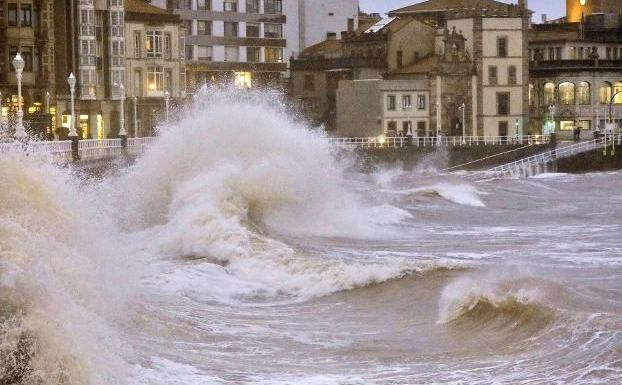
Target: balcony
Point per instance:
(575, 65)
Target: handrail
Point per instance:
(447, 141)
(526, 165)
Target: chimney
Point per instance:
(331, 36)
(544, 17)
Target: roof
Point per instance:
(141, 10)
(443, 5)
(330, 47)
(422, 66)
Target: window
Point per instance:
(566, 93)
(252, 30)
(117, 54)
(137, 44)
(138, 82)
(25, 15)
(230, 6)
(231, 54)
(231, 29)
(154, 44)
(27, 56)
(391, 102)
(405, 126)
(243, 79)
(204, 5)
(274, 55)
(549, 94)
(273, 6)
(252, 6)
(274, 31)
(392, 127)
(35, 17)
(204, 27)
(168, 81)
(155, 78)
(189, 52)
(421, 102)
(583, 93)
(503, 128)
(605, 93)
(617, 91)
(406, 101)
(168, 51)
(309, 82)
(12, 14)
(204, 52)
(179, 4)
(503, 103)
(188, 26)
(502, 46)
(253, 54)
(512, 75)
(492, 75)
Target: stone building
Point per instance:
(575, 72)
(27, 27)
(155, 64)
(90, 42)
(479, 68)
(577, 9)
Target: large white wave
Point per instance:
(59, 288)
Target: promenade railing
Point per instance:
(442, 141)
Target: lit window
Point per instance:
(154, 44)
(566, 93)
(243, 79)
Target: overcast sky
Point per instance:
(553, 8)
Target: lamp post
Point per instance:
(516, 125)
(122, 131)
(167, 97)
(0, 107)
(18, 64)
(47, 102)
(72, 88)
(463, 109)
(135, 117)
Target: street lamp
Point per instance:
(463, 109)
(18, 63)
(552, 109)
(135, 117)
(167, 97)
(516, 124)
(72, 88)
(122, 131)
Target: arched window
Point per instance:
(549, 94)
(605, 92)
(583, 93)
(617, 91)
(566, 93)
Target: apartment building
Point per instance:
(155, 65)
(27, 27)
(249, 42)
(92, 46)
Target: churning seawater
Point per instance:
(242, 248)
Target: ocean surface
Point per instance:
(243, 248)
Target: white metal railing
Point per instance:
(98, 148)
(537, 164)
(138, 145)
(443, 141)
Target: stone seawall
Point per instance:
(595, 160)
(440, 158)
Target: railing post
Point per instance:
(75, 153)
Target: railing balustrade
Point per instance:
(445, 141)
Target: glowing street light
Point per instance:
(122, 131)
(72, 88)
(463, 109)
(18, 63)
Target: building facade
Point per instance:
(249, 42)
(27, 27)
(155, 65)
(575, 78)
(92, 47)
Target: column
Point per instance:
(93, 124)
(474, 105)
(439, 105)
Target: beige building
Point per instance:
(155, 64)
